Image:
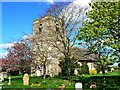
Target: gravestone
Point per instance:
(106, 71)
(38, 73)
(1, 76)
(78, 86)
(9, 83)
(26, 79)
(112, 69)
(75, 71)
(5, 74)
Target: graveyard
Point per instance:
(109, 80)
(69, 46)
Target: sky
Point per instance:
(17, 20)
(18, 17)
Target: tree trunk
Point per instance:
(103, 71)
(44, 71)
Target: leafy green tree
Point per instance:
(100, 32)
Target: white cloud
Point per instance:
(3, 54)
(6, 45)
(51, 1)
(82, 2)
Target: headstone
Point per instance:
(37, 72)
(78, 86)
(5, 74)
(112, 69)
(1, 76)
(106, 71)
(26, 79)
(75, 72)
(9, 80)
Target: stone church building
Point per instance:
(44, 38)
(44, 53)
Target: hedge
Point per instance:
(106, 82)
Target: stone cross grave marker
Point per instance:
(9, 83)
(26, 79)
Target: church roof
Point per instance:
(80, 54)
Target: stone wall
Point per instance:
(44, 38)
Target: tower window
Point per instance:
(40, 28)
(57, 27)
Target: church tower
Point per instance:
(45, 34)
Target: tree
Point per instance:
(84, 69)
(119, 65)
(100, 32)
(42, 52)
(19, 56)
(70, 16)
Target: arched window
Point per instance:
(40, 28)
(57, 27)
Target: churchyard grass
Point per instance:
(45, 83)
(17, 81)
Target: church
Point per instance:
(45, 37)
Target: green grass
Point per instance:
(47, 83)
(114, 73)
(17, 81)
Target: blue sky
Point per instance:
(17, 19)
(18, 16)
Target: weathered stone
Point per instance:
(26, 79)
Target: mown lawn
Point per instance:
(47, 83)
(17, 81)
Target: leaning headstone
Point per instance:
(78, 86)
(26, 79)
